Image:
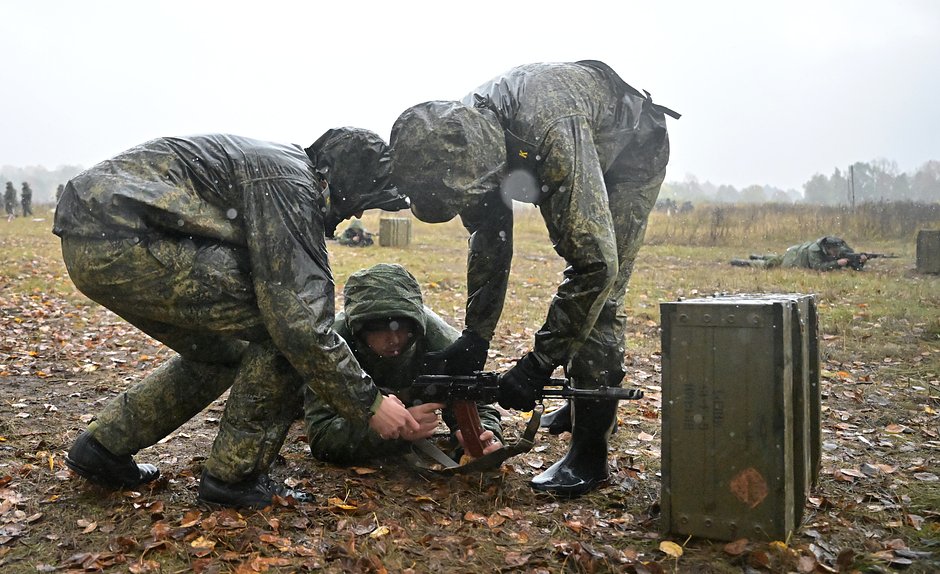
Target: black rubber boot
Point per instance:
(92, 461)
(252, 493)
(584, 467)
(741, 262)
(557, 421)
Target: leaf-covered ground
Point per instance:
(876, 509)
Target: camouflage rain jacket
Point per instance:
(578, 139)
(380, 292)
(9, 198)
(256, 215)
(812, 255)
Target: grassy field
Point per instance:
(875, 508)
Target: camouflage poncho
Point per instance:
(577, 141)
(237, 216)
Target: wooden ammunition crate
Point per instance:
(928, 251)
(394, 231)
(740, 436)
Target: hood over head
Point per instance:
(445, 155)
(382, 291)
(356, 164)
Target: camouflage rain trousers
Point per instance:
(157, 285)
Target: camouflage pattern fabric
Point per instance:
(9, 199)
(355, 235)
(591, 152)
(812, 254)
(214, 245)
(382, 291)
(26, 199)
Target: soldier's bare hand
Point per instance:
(487, 438)
(392, 419)
(427, 417)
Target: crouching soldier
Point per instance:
(389, 331)
(215, 246)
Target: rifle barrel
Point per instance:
(609, 393)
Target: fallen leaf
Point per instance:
(806, 564)
(737, 547)
(671, 549)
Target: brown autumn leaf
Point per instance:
(160, 530)
(471, 516)
(201, 547)
(280, 542)
(670, 548)
(143, 566)
(340, 504)
(516, 559)
(86, 525)
(806, 564)
(230, 519)
(737, 547)
(852, 472)
(190, 518)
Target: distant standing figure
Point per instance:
(9, 201)
(824, 254)
(26, 200)
(58, 192)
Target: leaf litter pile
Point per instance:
(876, 509)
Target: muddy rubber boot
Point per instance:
(92, 461)
(741, 262)
(557, 421)
(584, 467)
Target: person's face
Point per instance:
(832, 250)
(389, 339)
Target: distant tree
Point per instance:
(727, 194)
(753, 194)
(817, 190)
(780, 196)
(838, 188)
(925, 185)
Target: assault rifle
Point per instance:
(855, 259)
(463, 392)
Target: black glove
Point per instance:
(464, 356)
(522, 384)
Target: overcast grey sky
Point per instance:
(771, 91)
